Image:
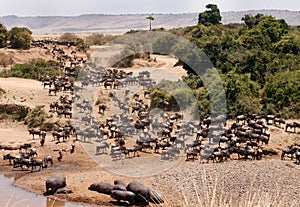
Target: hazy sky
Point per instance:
(77, 7)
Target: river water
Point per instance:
(11, 196)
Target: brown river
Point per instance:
(11, 196)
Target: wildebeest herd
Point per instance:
(28, 159)
(132, 129)
(166, 133)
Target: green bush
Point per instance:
(178, 94)
(14, 111)
(33, 70)
(36, 117)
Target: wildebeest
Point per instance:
(25, 146)
(292, 125)
(134, 149)
(102, 108)
(193, 154)
(34, 132)
(289, 151)
(169, 153)
(298, 156)
(21, 162)
(48, 159)
(35, 162)
(9, 157)
(102, 147)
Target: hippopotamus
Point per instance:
(123, 195)
(101, 187)
(119, 187)
(119, 182)
(54, 183)
(64, 191)
(141, 191)
(145, 194)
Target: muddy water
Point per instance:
(11, 196)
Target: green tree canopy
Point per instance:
(288, 44)
(3, 35)
(282, 94)
(20, 38)
(211, 16)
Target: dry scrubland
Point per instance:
(269, 182)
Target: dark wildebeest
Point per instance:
(292, 125)
(34, 132)
(289, 151)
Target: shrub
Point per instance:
(36, 117)
(68, 37)
(178, 94)
(33, 70)
(99, 39)
(5, 60)
(14, 111)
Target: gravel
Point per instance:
(233, 183)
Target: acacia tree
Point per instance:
(211, 16)
(151, 18)
(20, 38)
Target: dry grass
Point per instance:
(213, 194)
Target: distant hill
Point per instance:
(90, 23)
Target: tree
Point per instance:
(151, 18)
(262, 31)
(3, 35)
(251, 21)
(211, 16)
(282, 94)
(20, 38)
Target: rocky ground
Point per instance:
(269, 182)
